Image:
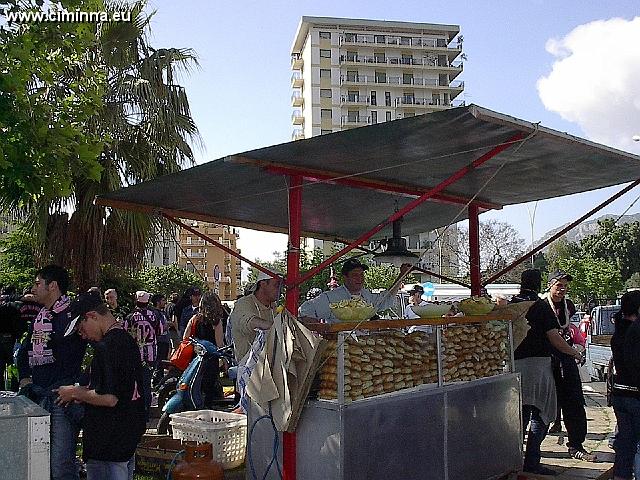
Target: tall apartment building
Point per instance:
(349, 73)
(438, 252)
(220, 270)
(164, 250)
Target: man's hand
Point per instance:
(258, 322)
(68, 394)
(405, 268)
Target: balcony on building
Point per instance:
(296, 61)
(352, 121)
(401, 41)
(297, 134)
(296, 79)
(297, 118)
(418, 102)
(196, 255)
(296, 99)
(355, 100)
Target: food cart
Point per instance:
(429, 171)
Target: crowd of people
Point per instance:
(111, 400)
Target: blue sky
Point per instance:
(240, 97)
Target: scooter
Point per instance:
(189, 393)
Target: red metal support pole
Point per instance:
(528, 255)
(474, 249)
(293, 272)
(414, 203)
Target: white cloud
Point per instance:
(595, 80)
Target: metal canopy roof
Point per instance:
(404, 158)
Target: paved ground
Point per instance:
(601, 423)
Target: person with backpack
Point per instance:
(145, 328)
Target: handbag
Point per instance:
(182, 356)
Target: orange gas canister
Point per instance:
(198, 464)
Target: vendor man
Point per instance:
(319, 308)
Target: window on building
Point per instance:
(349, 37)
(407, 59)
(405, 41)
(381, 77)
(379, 57)
(374, 116)
(373, 98)
(189, 240)
(387, 116)
(325, 93)
(352, 56)
(407, 78)
(408, 98)
(325, 35)
(379, 38)
(324, 132)
(387, 99)
(352, 76)
(325, 73)
(165, 255)
(435, 99)
(325, 113)
(352, 95)
(353, 115)
(325, 53)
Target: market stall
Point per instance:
(335, 187)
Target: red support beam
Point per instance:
(215, 243)
(474, 249)
(289, 459)
(561, 232)
(414, 203)
(370, 184)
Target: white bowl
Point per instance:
(431, 310)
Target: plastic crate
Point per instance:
(227, 432)
(154, 457)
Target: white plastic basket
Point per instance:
(227, 432)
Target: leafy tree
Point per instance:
(47, 96)
(560, 251)
(17, 266)
(123, 281)
(168, 279)
(592, 278)
(500, 244)
(616, 244)
(137, 125)
(633, 281)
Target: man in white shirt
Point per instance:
(415, 299)
(319, 308)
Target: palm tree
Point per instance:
(147, 128)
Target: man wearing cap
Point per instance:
(47, 360)
(145, 328)
(114, 419)
(533, 362)
(565, 370)
(415, 300)
(255, 311)
(111, 299)
(353, 275)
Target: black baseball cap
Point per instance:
(558, 275)
(352, 264)
(83, 303)
(416, 289)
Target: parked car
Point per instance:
(599, 334)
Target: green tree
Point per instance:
(140, 114)
(592, 278)
(560, 251)
(618, 244)
(633, 281)
(168, 279)
(17, 265)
